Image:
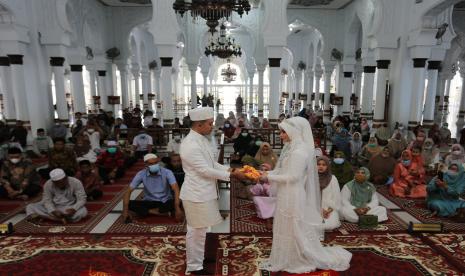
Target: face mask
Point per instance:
(371, 145)
(41, 138)
(428, 147)
(154, 168)
(177, 139)
(338, 161)
(360, 178)
(406, 162)
(456, 152)
(15, 160)
(401, 128)
(226, 125)
(244, 134)
(258, 143)
(452, 173)
(90, 130)
(112, 150)
(142, 137)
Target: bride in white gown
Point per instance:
(298, 224)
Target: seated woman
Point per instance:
(266, 155)
(397, 144)
(330, 194)
(456, 155)
(381, 167)
(242, 142)
(369, 150)
(341, 168)
(444, 194)
(356, 146)
(430, 154)
(409, 178)
(359, 198)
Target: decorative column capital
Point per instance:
(383, 64)
(261, 68)
(274, 62)
(102, 73)
(76, 68)
(434, 65)
(369, 69)
(4, 61)
(348, 75)
(419, 62)
(166, 61)
(16, 59)
(192, 67)
(57, 61)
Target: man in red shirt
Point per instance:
(111, 163)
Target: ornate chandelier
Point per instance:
(224, 47)
(229, 74)
(212, 10)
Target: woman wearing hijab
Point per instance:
(242, 142)
(231, 118)
(419, 140)
(430, 153)
(456, 156)
(444, 194)
(266, 123)
(383, 134)
(220, 120)
(397, 144)
(409, 178)
(365, 128)
(330, 194)
(341, 139)
(266, 155)
(341, 168)
(381, 167)
(297, 225)
(228, 129)
(356, 146)
(369, 150)
(359, 198)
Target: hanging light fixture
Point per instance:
(224, 47)
(212, 10)
(229, 74)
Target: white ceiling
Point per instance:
(126, 3)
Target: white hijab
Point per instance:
(300, 133)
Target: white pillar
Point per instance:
(418, 88)
(368, 87)
(357, 90)
(251, 75)
(317, 79)
(439, 93)
(245, 98)
(308, 87)
(136, 75)
(346, 90)
(328, 72)
(261, 70)
(275, 74)
(157, 90)
(145, 76)
(461, 116)
(193, 72)
(433, 71)
(298, 87)
(205, 84)
(167, 90)
(102, 89)
(9, 112)
(123, 72)
(60, 94)
(382, 76)
(77, 86)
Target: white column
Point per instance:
(261, 70)
(9, 111)
(328, 72)
(251, 75)
(433, 71)
(60, 94)
(167, 90)
(439, 93)
(308, 87)
(461, 116)
(193, 72)
(418, 88)
(382, 76)
(357, 90)
(346, 90)
(317, 79)
(368, 86)
(123, 72)
(136, 75)
(77, 86)
(145, 76)
(245, 98)
(205, 84)
(102, 89)
(157, 90)
(275, 74)
(298, 86)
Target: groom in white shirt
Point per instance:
(199, 193)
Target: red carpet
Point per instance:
(97, 209)
(244, 218)
(451, 245)
(417, 208)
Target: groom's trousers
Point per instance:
(195, 247)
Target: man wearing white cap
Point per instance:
(199, 192)
(63, 200)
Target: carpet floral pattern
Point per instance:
(451, 245)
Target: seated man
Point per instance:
(19, 178)
(142, 144)
(158, 184)
(90, 180)
(41, 144)
(175, 165)
(174, 144)
(111, 163)
(359, 198)
(63, 200)
(61, 157)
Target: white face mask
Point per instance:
(90, 130)
(15, 160)
(177, 139)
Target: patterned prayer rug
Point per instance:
(383, 254)
(244, 219)
(451, 245)
(417, 208)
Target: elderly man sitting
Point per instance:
(63, 200)
(158, 199)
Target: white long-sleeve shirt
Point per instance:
(331, 196)
(346, 193)
(201, 168)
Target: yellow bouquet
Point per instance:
(250, 172)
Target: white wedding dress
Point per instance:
(298, 225)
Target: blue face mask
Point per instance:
(406, 162)
(452, 173)
(154, 168)
(112, 150)
(339, 161)
(258, 143)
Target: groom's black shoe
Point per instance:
(201, 272)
